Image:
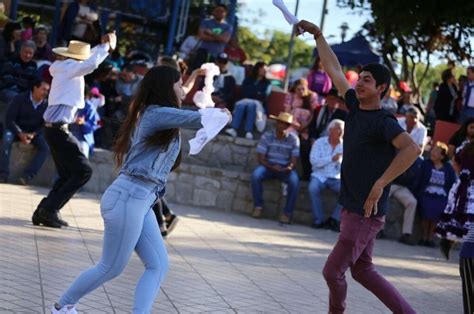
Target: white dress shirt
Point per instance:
(418, 133)
(67, 87)
(321, 160)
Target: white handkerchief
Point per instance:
(213, 121)
(289, 17)
(203, 98)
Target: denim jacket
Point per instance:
(153, 164)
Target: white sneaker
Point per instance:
(67, 309)
(249, 136)
(231, 132)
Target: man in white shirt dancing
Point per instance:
(66, 96)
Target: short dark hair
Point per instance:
(380, 73)
(37, 83)
(446, 75)
(222, 6)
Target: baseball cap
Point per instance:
(222, 57)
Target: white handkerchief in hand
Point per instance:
(203, 98)
(290, 18)
(213, 121)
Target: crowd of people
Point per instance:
(98, 95)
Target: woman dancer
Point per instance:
(147, 149)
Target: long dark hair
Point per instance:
(156, 88)
(462, 132)
(256, 68)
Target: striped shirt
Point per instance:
(279, 151)
(467, 249)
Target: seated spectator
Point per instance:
(326, 113)
(318, 80)
(43, 49)
(214, 35)
(236, 54)
(301, 102)
(126, 85)
(326, 158)
(189, 47)
(411, 123)
(28, 28)
(254, 92)
(401, 190)
(277, 153)
(388, 102)
(431, 187)
(463, 135)
(224, 84)
(24, 123)
(18, 73)
(444, 107)
(11, 41)
(86, 124)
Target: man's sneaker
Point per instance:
(231, 132)
(284, 219)
(257, 212)
(67, 309)
(171, 223)
(332, 224)
(164, 232)
(405, 239)
(45, 218)
(249, 135)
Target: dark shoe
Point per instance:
(171, 223)
(405, 239)
(318, 226)
(61, 221)
(380, 235)
(47, 219)
(285, 219)
(445, 246)
(164, 232)
(332, 224)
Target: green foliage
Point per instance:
(412, 30)
(273, 47)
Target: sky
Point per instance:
(308, 9)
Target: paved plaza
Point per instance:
(219, 263)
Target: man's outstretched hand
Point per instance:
(110, 38)
(307, 27)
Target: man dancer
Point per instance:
(66, 96)
(370, 162)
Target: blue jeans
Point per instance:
(466, 113)
(130, 224)
(42, 152)
(244, 109)
(261, 174)
(315, 187)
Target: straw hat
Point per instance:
(284, 117)
(76, 50)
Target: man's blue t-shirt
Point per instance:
(367, 153)
(214, 47)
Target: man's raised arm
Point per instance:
(328, 58)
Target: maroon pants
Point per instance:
(354, 249)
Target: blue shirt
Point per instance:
(279, 151)
(214, 47)
(153, 164)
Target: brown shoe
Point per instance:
(284, 219)
(257, 212)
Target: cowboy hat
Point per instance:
(284, 117)
(76, 50)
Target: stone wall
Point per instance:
(217, 178)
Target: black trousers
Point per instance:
(73, 168)
(161, 208)
(466, 268)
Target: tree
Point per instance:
(410, 31)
